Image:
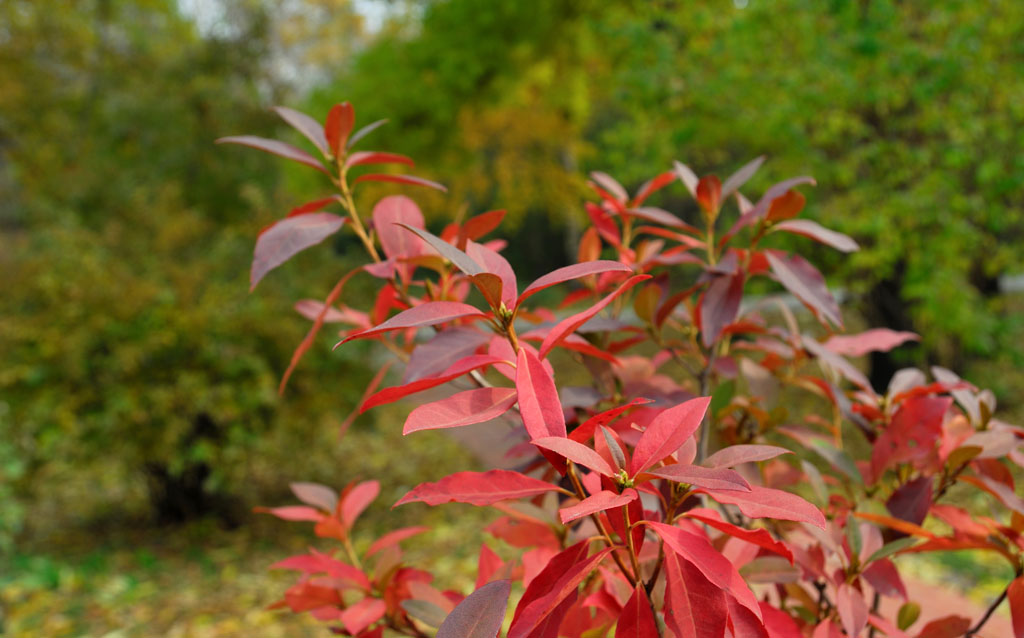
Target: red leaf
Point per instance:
(360, 158)
(667, 433)
(738, 454)
(759, 537)
(720, 306)
(536, 612)
(806, 283)
(464, 408)
(819, 233)
(316, 495)
(588, 427)
(311, 207)
(711, 478)
(362, 614)
(568, 273)
(306, 125)
(283, 239)
(396, 242)
(478, 488)
(743, 623)
(293, 513)
(277, 148)
(694, 607)
(637, 619)
(741, 176)
(430, 313)
(603, 500)
(712, 564)
(307, 341)
(539, 405)
(912, 434)
(651, 186)
(567, 326)
(946, 627)
(400, 179)
(393, 538)
(480, 615)
(575, 452)
(444, 349)
(456, 370)
(478, 226)
(787, 206)
(487, 565)
(780, 624)
(761, 208)
(709, 193)
(356, 500)
(876, 340)
(853, 612)
(340, 120)
(1015, 594)
(765, 502)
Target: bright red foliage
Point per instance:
(644, 508)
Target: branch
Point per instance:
(988, 614)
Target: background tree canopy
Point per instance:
(131, 345)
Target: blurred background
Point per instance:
(139, 420)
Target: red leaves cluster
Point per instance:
(641, 505)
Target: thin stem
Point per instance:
(581, 494)
(988, 614)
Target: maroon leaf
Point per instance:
(658, 215)
(480, 615)
(738, 454)
(711, 478)
(667, 433)
(709, 193)
(306, 125)
(283, 239)
(340, 120)
(575, 452)
(765, 502)
(759, 537)
(946, 627)
(603, 500)
(876, 340)
(431, 313)
(316, 495)
(277, 148)
(740, 177)
(538, 398)
(461, 260)
(495, 265)
(608, 183)
(478, 488)
(456, 370)
(568, 273)
(363, 132)
(567, 326)
(720, 306)
(444, 349)
(400, 179)
(806, 283)
(637, 619)
(819, 233)
(464, 408)
(361, 158)
(712, 564)
(885, 579)
(694, 607)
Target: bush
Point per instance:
(721, 469)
